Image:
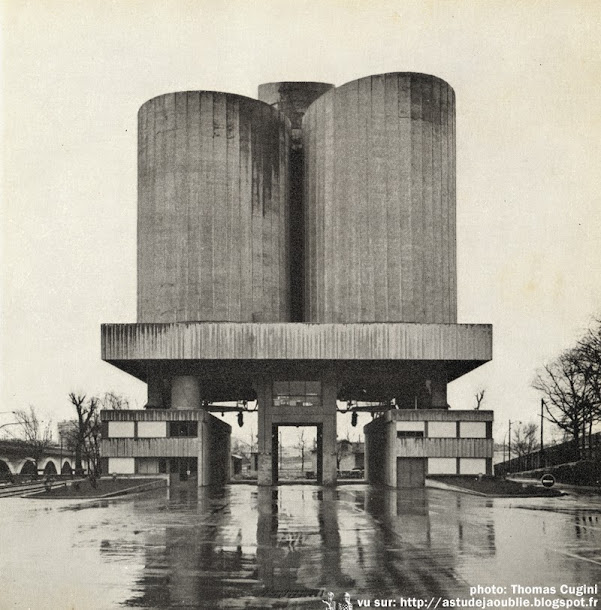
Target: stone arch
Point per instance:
(44, 466)
(28, 467)
(66, 469)
(50, 468)
(5, 471)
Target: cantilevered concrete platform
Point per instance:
(462, 347)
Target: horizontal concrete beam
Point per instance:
(296, 341)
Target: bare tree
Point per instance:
(524, 439)
(588, 355)
(479, 398)
(113, 401)
(568, 395)
(33, 433)
(301, 445)
(87, 426)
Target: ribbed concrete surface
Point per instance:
(452, 342)
(380, 202)
(212, 209)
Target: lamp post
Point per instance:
(14, 423)
(542, 446)
(509, 444)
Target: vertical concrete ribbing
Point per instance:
(212, 218)
(387, 234)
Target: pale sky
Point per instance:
(527, 78)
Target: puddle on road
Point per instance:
(245, 546)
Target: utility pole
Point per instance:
(509, 445)
(542, 447)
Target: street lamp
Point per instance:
(509, 444)
(14, 423)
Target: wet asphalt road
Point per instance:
(244, 546)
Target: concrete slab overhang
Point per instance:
(252, 348)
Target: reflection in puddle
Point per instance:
(244, 546)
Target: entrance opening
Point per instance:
(244, 448)
(297, 453)
(411, 472)
(350, 444)
(183, 469)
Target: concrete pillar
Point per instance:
(329, 393)
(265, 472)
(439, 390)
(154, 383)
(185, 392)
(390, 452)
(204, 468)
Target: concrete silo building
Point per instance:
(299, 250)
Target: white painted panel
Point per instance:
(472, 429)
(442, 429)
(147, 465)
(152, 429)
(410, 426)
(472, 466)
(122, 465)
(442, 466)
(121, 429)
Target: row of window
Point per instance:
(450, 429)
(296, 393)
(169, 429)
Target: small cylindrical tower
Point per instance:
(379, 197)
(212, 209)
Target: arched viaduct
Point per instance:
(16, 458)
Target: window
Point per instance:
(183, 428)
(410, 434)
(296, 393)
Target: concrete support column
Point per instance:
(185, 392)
(154, 384)
(204, 456)
(439, 389)
(264, 404)
(390, 452)
(329, 393)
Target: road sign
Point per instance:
(547, 480)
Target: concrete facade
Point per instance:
(380, 202)
(435, 441)
(212, 209)
(297, 251)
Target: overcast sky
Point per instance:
(527, 76)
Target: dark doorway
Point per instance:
(183, 469)
(297, 453)
(410, 472)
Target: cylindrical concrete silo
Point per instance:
(212, 209)
(379, 202)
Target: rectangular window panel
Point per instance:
(281, 388)
(442, 429)
(468, 429)
(152, 429)
(183, 428)
(410, 434)
(313, 388)
(410, 426)
(122, 465)
(472, 466)
(121, 429)
(297, 387)
(442, 466)
(296, 393)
